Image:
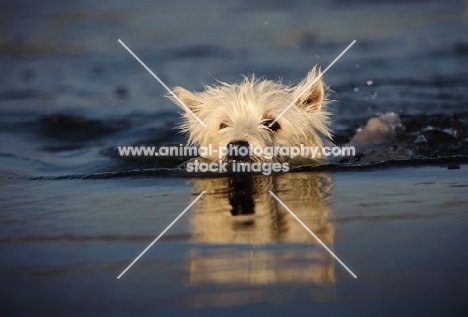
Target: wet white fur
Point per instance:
(243, 108)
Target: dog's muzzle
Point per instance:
(238, 150)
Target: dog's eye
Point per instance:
(222, 126)
(274, 127)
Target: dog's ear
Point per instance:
(190, 99)
(311, 91)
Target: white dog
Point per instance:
(240, 115)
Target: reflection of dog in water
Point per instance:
(241, 213)
(243, 115)
(241, 210)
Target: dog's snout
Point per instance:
(238, 150)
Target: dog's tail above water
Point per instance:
(378, 130)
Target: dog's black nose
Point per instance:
(238, 150)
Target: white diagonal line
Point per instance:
(168, 227)
(313, 234)
(311, 84)
(164, 85)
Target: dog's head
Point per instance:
(241, 115)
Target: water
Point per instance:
(73, 215)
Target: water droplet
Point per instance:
(317, 55)
(357, 65)
(356, 89)
(374, 94)
(370, 82)
(266, 22)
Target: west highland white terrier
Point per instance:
(241, 115)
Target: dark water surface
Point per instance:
(73, 214)
(401, 231)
